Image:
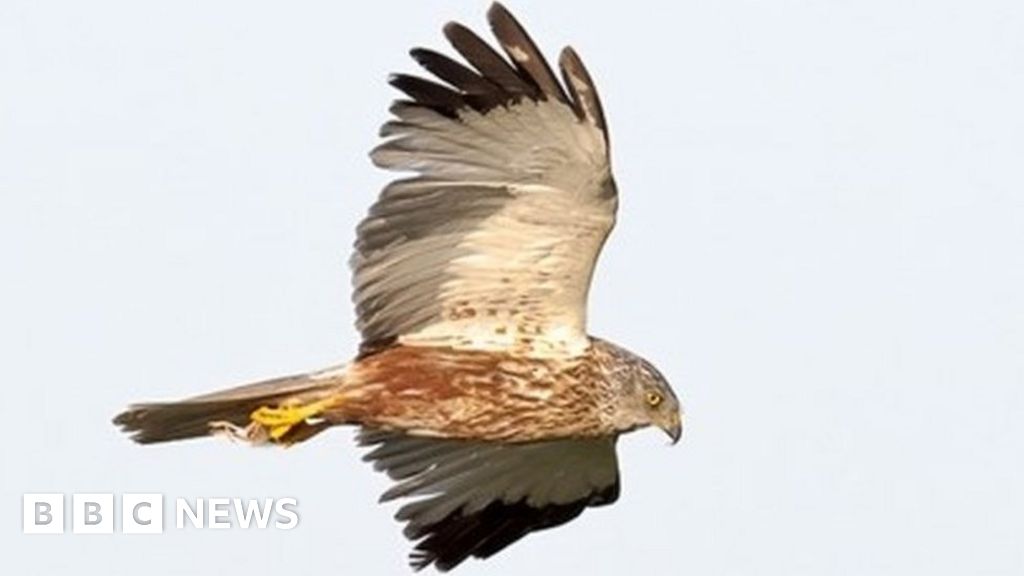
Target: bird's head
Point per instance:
(643, 396)
(656, 402)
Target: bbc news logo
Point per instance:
(144, 513)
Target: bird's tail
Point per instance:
(281, 410)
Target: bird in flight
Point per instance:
(476, 388)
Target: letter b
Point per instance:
(92, 513)
(43, 514)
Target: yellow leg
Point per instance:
(278, 421)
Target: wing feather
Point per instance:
(479, 92)
(488, 62)
(524, 53)
(491, 244)
(584, 93)
(430, 94)
(476, 497)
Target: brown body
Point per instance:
(453, 393)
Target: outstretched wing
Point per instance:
(492, 242)
(475, 498)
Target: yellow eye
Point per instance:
(653, 399)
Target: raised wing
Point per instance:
(492, 243)
(475, 498)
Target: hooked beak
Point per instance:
(674, 428)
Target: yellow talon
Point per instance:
(278, 421)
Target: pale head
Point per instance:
(641, 395)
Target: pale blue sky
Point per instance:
(820, 244)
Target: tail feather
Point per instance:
(166, 421)
(153, 422)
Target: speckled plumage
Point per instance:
(454, 393)
(476, 386)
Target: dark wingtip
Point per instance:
(419, 53)
(453, 28)
(497, 10)
(581, 86)
(418, 562)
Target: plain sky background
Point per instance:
(820, 244)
